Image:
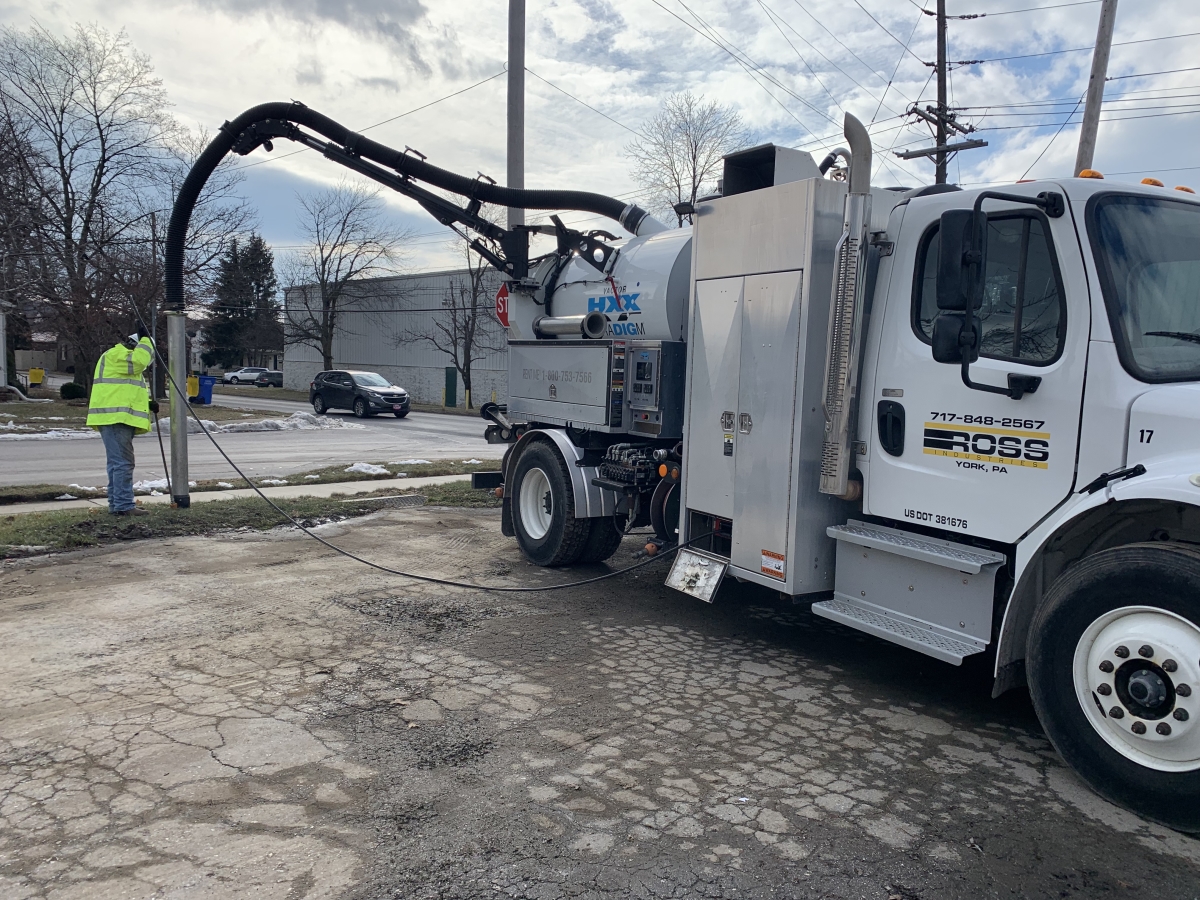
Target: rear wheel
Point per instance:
(1114, 674)
(544, 508)
(319, 406)
(603, 540)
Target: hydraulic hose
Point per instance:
(280, 120)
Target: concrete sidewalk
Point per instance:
(279, 492)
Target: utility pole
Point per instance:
(944, 121)
(1095, 93)
(516, 104)
(942, 106)
(154, 304)
(177, 360)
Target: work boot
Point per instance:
(136, 511)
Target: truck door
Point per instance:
(943, 455)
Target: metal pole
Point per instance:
(1095, 93)
(516, 103)
(3, 348)
(177, 360)
(943, 111)
(154, 304)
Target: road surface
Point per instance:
(380, 439)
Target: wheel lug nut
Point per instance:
(1138, 728)
(1106, 666)
(1169, 665)
(1122, 651)
(1117, 713)
(1163, 728)
(1181, 715)
(1146, 650)
(1103, 689)
(1183, 690)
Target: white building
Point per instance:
(380, 330)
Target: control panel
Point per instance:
(654, 387)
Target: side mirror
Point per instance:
(962, 259)
(952, 334)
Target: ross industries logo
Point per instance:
(611, 303)
(973, 446)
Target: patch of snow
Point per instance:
(311, 477)
(409, 462)
(56, 418)
(54, 434)
(300, 421)
(82, 487)
(66, 497)
(472, 462)
(157, 494)
(272, 481)
(224, 484)
(368, 469)
(152, 485)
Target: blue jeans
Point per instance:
(118, 446)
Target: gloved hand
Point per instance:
(142, 332)
(154, 406)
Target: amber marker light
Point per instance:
(1184, 188)
(1090, 173)
(1154, 182)
(662, 471)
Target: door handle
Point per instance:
(727, 420)
(745, 424)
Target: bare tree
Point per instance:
(350, 239)
(104, 155)
(677, 154)
(465, 328)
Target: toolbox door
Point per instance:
(713, 396)
(770, 346)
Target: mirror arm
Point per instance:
(1018, 385)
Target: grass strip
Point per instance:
(75, 529)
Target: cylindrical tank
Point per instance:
(651, 276)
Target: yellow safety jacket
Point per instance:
(119, 392)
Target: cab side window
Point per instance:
(1023, 313)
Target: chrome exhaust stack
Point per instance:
(846, 318)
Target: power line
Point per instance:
(1055, 137)
(889, 34)
(1111, 119)
(1165, 37)
(866, 64)
(771, 17)
(897, 69)
(577, 100)
(384, 122)
(1148, 74)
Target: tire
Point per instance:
(360, 408)
(602, 542)
(664, 511)
(319, 406)
(544, 508)
(233, 380)
(400, 415)
(1087, 635)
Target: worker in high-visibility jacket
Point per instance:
(120, 408)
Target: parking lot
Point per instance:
(247, 715)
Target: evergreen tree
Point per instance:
(244, 321)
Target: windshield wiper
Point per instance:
(1178, 335)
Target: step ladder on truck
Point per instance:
(963, 421)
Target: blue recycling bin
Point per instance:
(206, 388)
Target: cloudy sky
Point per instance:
(790, 67)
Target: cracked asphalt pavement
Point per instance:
(246, 715)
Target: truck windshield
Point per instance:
(1148, 255)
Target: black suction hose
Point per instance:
(242, 132)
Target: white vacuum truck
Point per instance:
(962, 421)
(967, 422)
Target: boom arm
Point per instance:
(506, 249)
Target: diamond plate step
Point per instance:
(931, 550)
(906, 632)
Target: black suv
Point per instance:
(366, 393)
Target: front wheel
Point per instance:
(544, 508)
(233, 380)
(400, 415)
(360, 408)
(1114, 674)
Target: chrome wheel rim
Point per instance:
(537, 504)
(1136, 672)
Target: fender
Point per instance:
(591, 502)
(1171, 484)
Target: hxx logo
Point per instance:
(611, 303)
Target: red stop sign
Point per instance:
(502, 305)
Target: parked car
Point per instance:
(244, 375)
(269, 378)
(366, 393)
